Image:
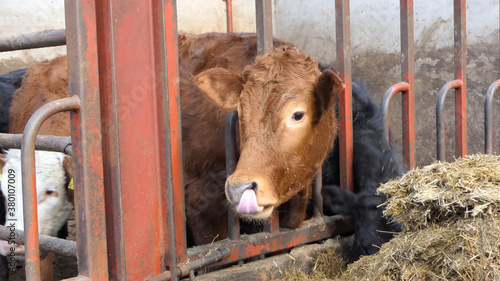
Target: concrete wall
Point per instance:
(311, 26)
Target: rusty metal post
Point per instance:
(407, 69)
(141, 130)
(41, 39)
(29, 180)
(460, 74)
(488, 117)
(343, 37)
(83, 80)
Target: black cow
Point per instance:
(374, 162)
(9, 83)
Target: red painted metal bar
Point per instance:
(28, 171)
(176, 220)
(142, 137)
(110, 144)
(41, 39)
(343, 37)
(460, 74)
(407, 69)
(488, 117)
(401, 87)
(229, 15)
(440, 124)
(83, 80)
(315, 229)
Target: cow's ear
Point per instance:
(326, 91)
(221, 86)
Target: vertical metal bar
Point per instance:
(407, 68)
(488, 117)
(143, 126)
(317, 198)
(264, 19)
(460, 70)
(343, 37)
(231, 159)
(110, 146)
(83, 80)
(229, 15)
(28, 171)
(174, 171)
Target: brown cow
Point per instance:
(43, 83)
(287, 126)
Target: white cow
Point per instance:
(54, 205)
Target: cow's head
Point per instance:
(286, 109)
(53, 202)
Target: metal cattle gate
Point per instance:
(125, 115)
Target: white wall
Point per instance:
(26, 16)
(375, 25)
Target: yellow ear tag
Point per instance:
(70, 186)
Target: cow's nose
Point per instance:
(234, 192)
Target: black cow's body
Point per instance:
(9, 83)
(374, 162)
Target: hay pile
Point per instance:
(451, 224)
(329, 265)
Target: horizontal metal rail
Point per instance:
(49, 143)
(42, 39)
(185, 269)
(55, 245)
(488, 117)
(313, 230)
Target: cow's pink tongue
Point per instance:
(248, 203)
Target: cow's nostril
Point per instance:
(236, 191)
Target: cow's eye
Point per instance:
(50, 191)
(297, 116)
